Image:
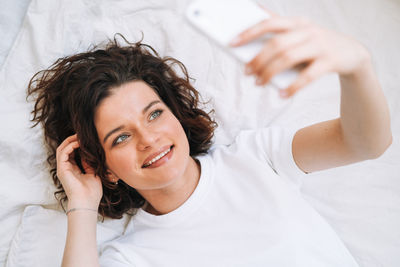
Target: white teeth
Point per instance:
(157, 157)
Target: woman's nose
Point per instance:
(146, 139)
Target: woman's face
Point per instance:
(144, 143)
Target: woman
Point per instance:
(130, 137)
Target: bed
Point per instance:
(361, 201)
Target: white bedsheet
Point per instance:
(361, 201)
(11, 17)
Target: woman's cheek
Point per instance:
(119, 161)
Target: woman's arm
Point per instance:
(84, 191)
(81, 247)
(363, 129)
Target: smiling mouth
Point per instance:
(157, 158)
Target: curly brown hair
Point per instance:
(66, 96)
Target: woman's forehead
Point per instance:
(131, 97)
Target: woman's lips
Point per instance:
(161, 160)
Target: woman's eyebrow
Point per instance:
(111, 132)
(122, 126)
(149, 105)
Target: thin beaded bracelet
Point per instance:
(74, 209)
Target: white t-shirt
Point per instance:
(246, 210)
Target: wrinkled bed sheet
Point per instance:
(360, 201)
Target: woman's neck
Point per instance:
(163, 201)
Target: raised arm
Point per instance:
(363, 129)
(84, 192)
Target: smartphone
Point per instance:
(223, 20)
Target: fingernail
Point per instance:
(259, 81)
(283, 93)
(248, 70)
(235, 41)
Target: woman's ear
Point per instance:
(86, 167)
(112, 177)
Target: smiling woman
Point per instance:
(145, 144)
(125, 134)
(133, 101)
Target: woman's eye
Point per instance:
(155, 114)
(120, 139)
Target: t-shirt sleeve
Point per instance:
(111, 256)
(277, 145)
(274, 144)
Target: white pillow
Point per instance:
(40, 238)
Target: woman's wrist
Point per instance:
(81, 209)
(363, 66)
(358, 76)
(82, 204)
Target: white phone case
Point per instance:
(223, 20)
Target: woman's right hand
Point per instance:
(84, 190)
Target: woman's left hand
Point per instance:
(298, 41)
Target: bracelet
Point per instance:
(74, 209)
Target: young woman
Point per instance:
(125, 134)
